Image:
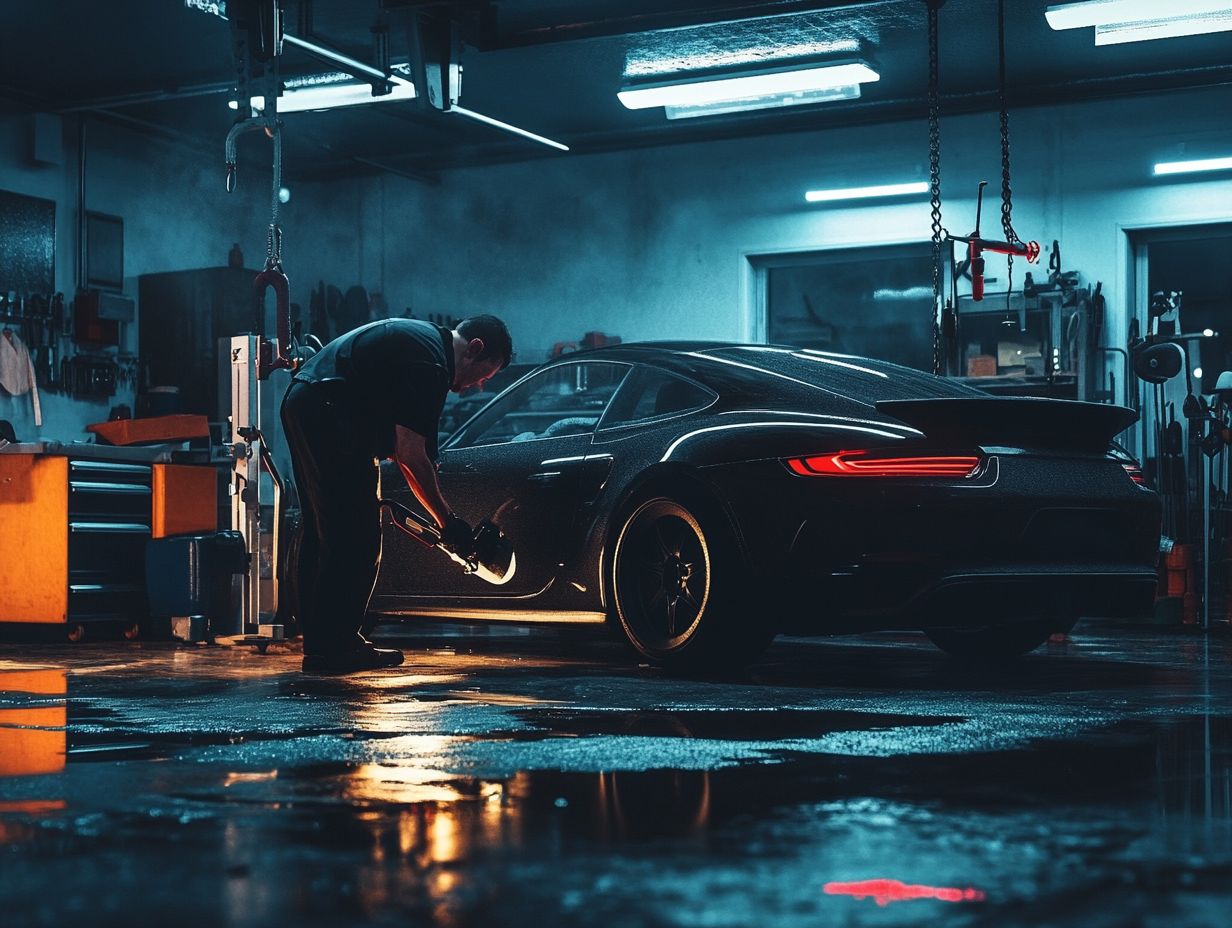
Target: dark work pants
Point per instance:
(337, 482)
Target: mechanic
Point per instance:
(370, 394)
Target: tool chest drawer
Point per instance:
(76, 530)
(110, 492)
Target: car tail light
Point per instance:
(1135, 474)
(879, 464)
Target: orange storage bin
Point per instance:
(154, 429)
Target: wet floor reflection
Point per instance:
(33, 720)
(33, 734)
(349, 801)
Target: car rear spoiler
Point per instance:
(1018, 421)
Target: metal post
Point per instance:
(1206, 541)
(259, 600)
(246, 472)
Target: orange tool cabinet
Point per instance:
(73, 532)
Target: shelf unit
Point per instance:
(73, 549)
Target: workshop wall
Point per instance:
(653, 243)
(176, 214)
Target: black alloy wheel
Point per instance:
(673, 589)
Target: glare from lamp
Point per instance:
(1192, 167)
(717, 89)
(256, 104)
(1110, 12)
(1148, 30)
(861, 193)
(1198, 372)
(768, 101)
(284, 195)
(332, 96)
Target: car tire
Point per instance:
(676, 592)
(997, 641)
(288, 577)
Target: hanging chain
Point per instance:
(1007, 202)
(934, 172)
(273, 241)
(273, 128)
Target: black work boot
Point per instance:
(363, 657)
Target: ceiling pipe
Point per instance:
(506, 127)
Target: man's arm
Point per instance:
(410, 450)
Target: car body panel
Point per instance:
(1045, 525)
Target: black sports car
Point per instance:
(704, 497)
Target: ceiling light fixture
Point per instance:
(1145, 31)
(848, 92)
(1118, 21)
(1191, 167)
(332, 96)
(861, 193)
(714, 92)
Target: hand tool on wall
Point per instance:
(490, 556)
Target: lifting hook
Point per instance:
(275, 354)
(272, 127)
(977, 245)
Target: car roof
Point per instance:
(780, 374)
(669, 347)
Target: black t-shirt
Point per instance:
(396, 371)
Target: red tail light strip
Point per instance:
(883, 892)
(1135, 474)
(871, 464)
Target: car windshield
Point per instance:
(862, 379)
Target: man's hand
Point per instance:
(457, 536)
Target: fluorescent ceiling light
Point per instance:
(649, 62)
(1108, 12)
(861, 193)
(1189, 167)
(768, 101)
(747, 86)
(1146, 30)
(332, 96)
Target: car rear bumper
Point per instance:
(918, 595)
(1029, 536)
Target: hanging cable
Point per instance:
(934, 172)
(1007, 202)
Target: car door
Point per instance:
(519, 463)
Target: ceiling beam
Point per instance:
(149, 96)
(659, 17)
(878, 112)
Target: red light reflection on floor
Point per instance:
(883, 892)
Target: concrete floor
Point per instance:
(513, 778)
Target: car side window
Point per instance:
(568, 399)
(650, 393)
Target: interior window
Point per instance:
(565, 400)
(650, 393)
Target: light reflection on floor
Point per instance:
(507, 780)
